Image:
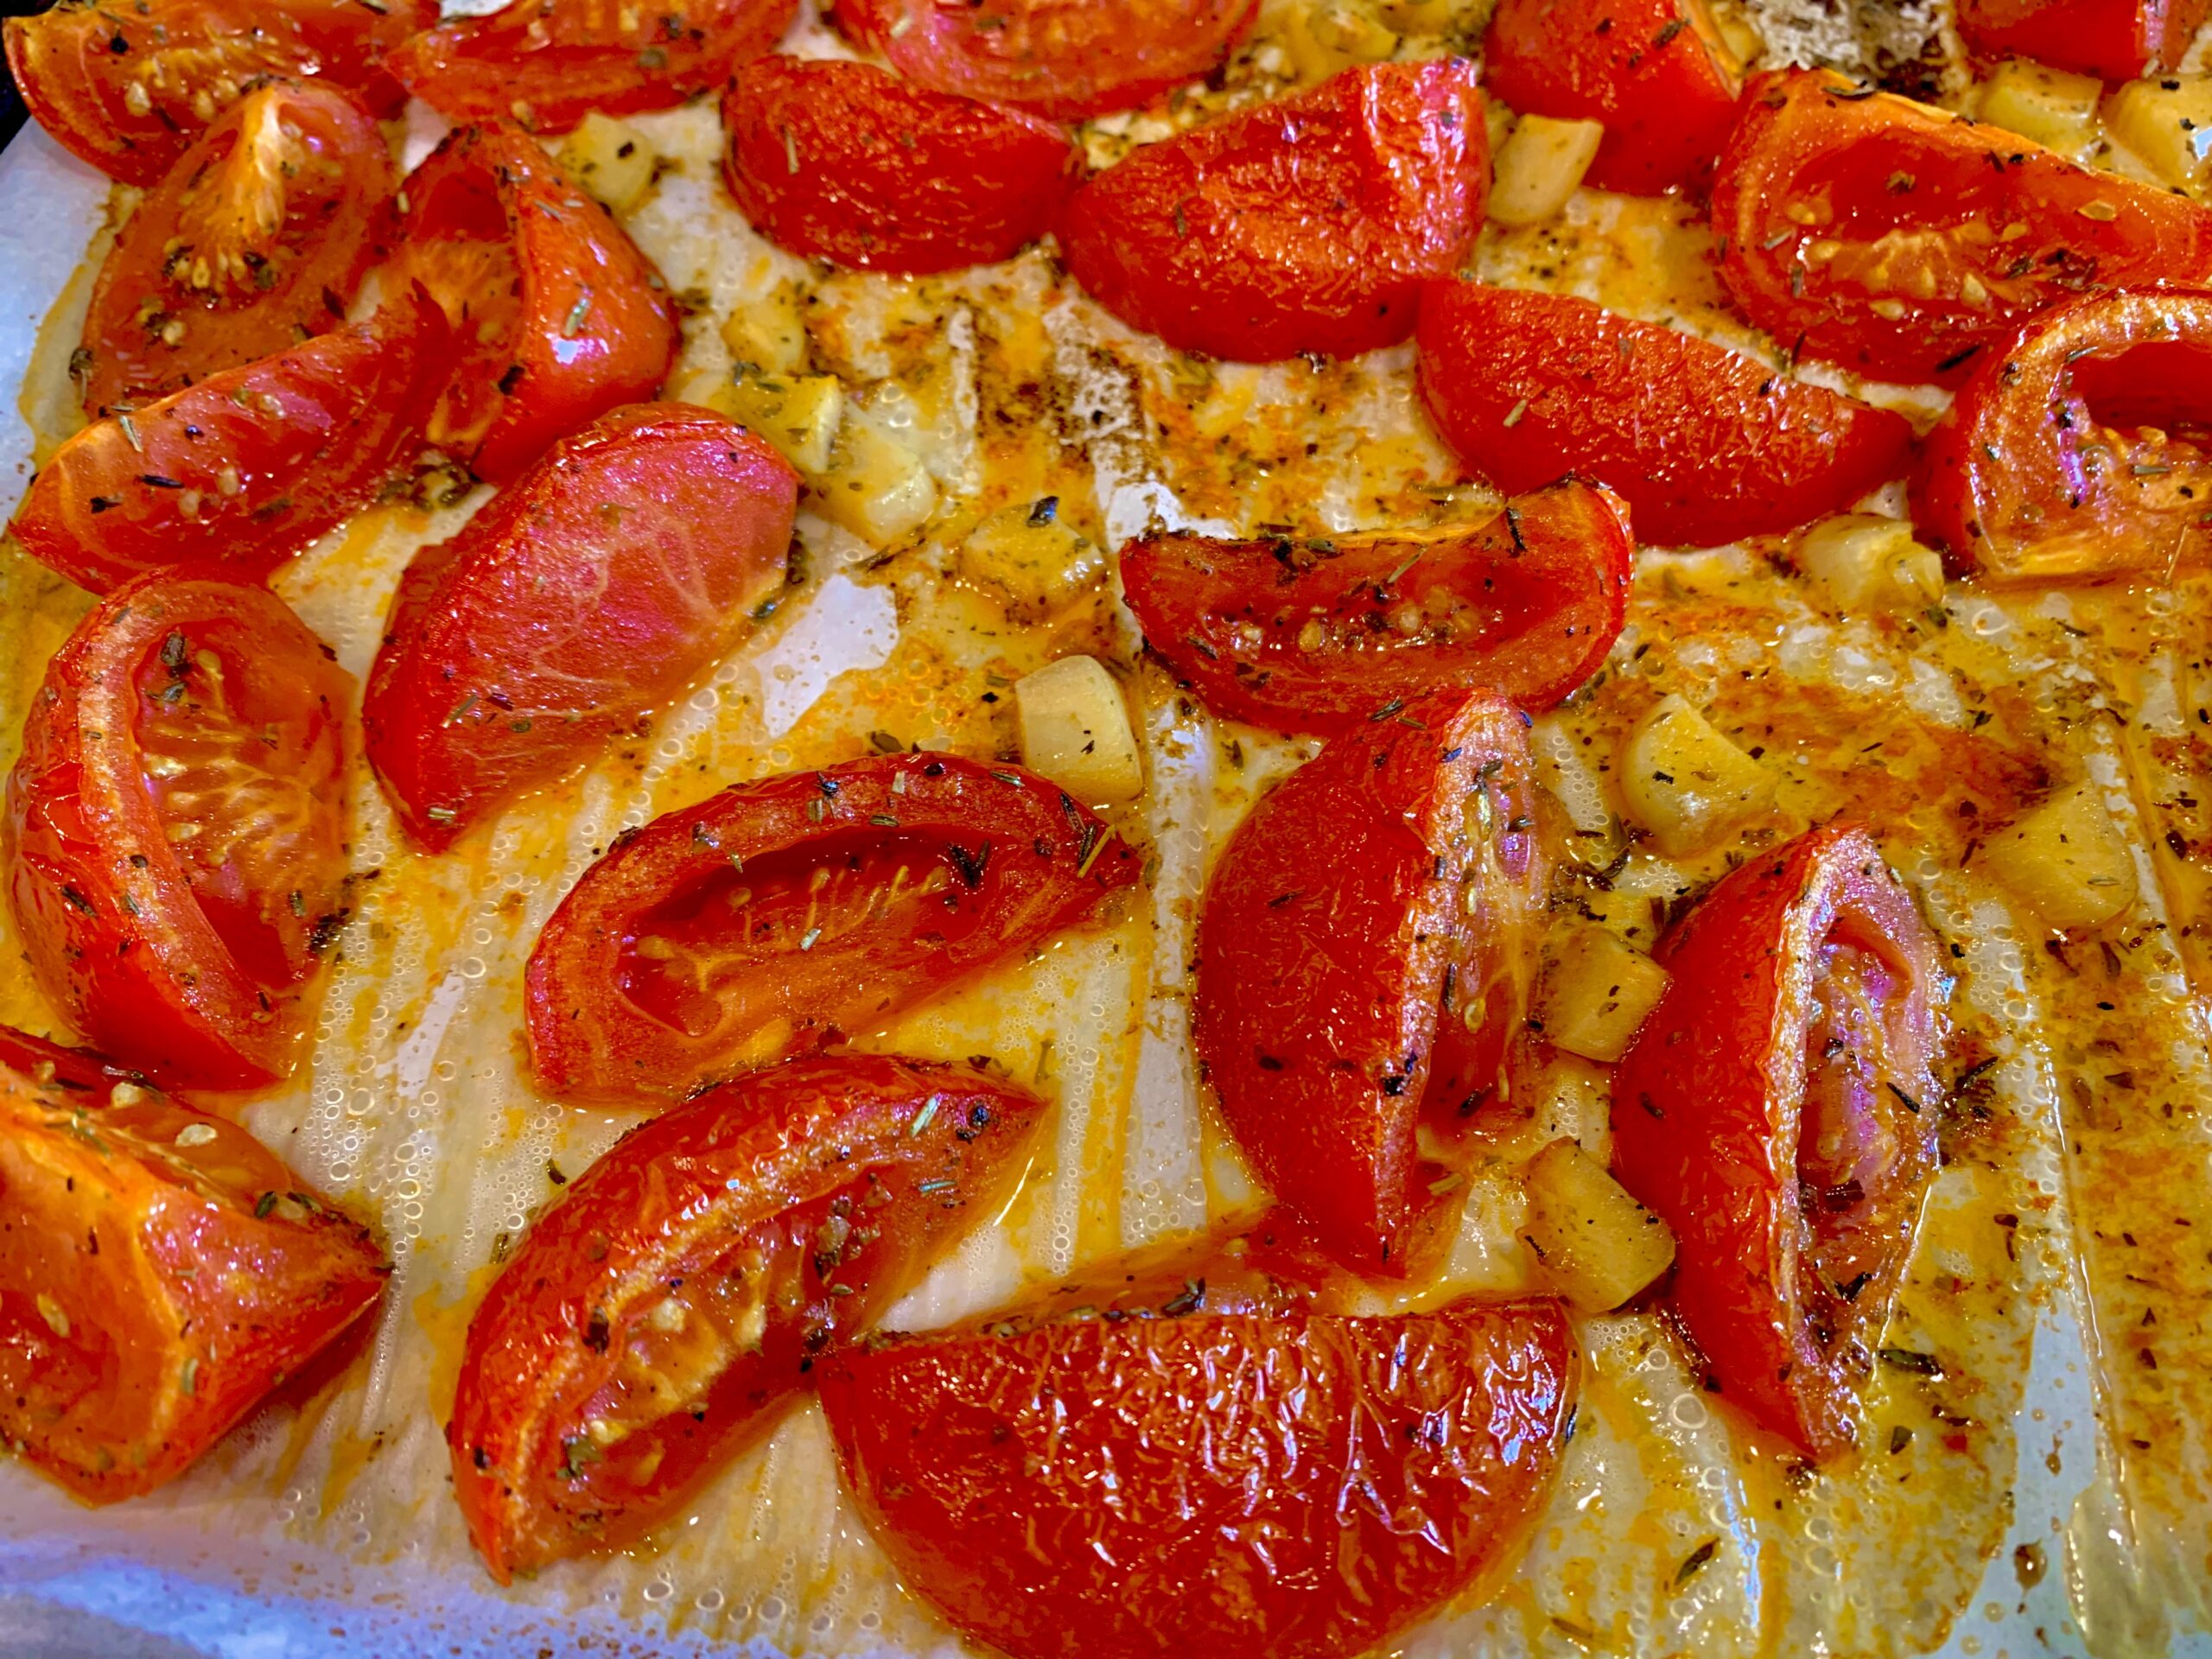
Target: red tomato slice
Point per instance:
(1655, 71)
(1900, 240)
(656, 1319)
(1305, 225)
(1291, 1486)
(2081, 448)
(559, 317)
(84, 1076)
(1778, 1109)
(128, 88)
(239, 474)
(1707, 445)
(160, 1272)
(2115, 39)
(1346, 998)
(625, 562)
(845, 162)
(1318, 634)
(784, 914)
(1067, 59)
(549, 63)
(175, 830)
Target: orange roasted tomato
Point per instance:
(1322, 633)
(654, 1321)
(1901, 240)
(2114, 40)
(790, 912)
(160, 1272)
(175, 826)
(1308, 225)
(1363, 955)
(1778, 1109)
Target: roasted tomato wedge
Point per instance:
(654, 1321)
(175, 828)
(624, 563)
(1306, 225)
(1655, 71)
(1320, 634)
(160, 1272)
(239, 473)
(128, 88)
(845, 162)
(1707, 445)
(2082, 448)
(549, 63)
(1778, 1109)
(1346, 998)
(1066, 59)
(2115, 39)
(1900, 240)
(559, 317)
(1282, 1486)
(783, 914)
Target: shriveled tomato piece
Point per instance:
(1363, 955)
(175, 830)
(845, 162)
(2116, 40)
(549, 63)
(1305, 225)
(2082, 448)
(654, 1320)
(1778, 1109)
(1319, 633)
(1707, 445)
(128, 87)
(1066, 59)
(1245, 1486)
(558, 316)
(235, 475)
(160, 1272)
(1902, 240)
(783, 914)
(1655, 71)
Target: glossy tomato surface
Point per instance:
(845, 162)
(1318, 633)
(2115, 39)
(1305, 224)
(160, 1272)
(1706, 446)
(654, 1320)
(1362, 954)
(1778, 1109)
(557, 316)
(175, 830)
(1902, 240)
(236, 475)
(783, 914)
(623, 563)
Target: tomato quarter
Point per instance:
(2116, 40)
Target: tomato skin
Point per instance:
(233, 477)
(1707, 445)
(1228, 617)
(1711, 1126)
(558, 317)
(519, 649)
(1655, 71)
(196, 973)
(2041, 470)
(1341, 1002)
(829, 1184)
(1305, 225)
(2114, 40)
(1290, 1486)
(1863, 164)
(564, 58)
(1005, 859)
(145, 1308)
(844, 162)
